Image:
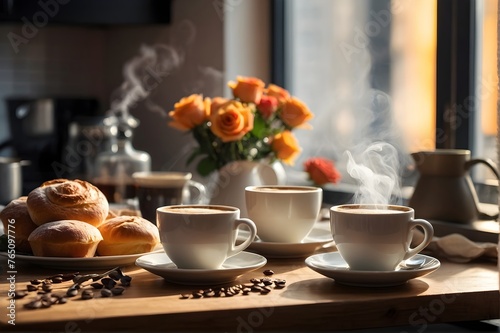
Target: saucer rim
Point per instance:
(341, 274)
(202, 276)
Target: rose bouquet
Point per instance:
(256, 124)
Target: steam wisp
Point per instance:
(143, 74)
(376, 169)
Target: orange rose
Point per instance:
(295, 113)
(281, 94)
(217, 102)
(286, 147)
(232, 121)
(321, 171)
(247, 89)
(267, 106)
(190, 112)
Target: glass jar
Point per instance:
(114, 167)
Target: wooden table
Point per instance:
(455, 292)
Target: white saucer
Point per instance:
(333, 266)
(160, 264)
(319, 237)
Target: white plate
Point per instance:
(160, 264)
(78, 264)
(319, 237)
(333, 266)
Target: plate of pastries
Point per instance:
(68, 224)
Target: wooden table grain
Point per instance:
(310, 301)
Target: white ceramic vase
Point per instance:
(228, 187)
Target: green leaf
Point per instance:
(206, 166)
(260, 129)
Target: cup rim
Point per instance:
(222, 209)
(299, 188)
(160, 178)
(400, 208)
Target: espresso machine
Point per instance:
(40, 134)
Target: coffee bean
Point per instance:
(46, 303)
(31, 287)
(70, 276)
(35, 282)
(36, 304)
(62, 300)
(71, 292)
(108, 283)
(106, 292)
(115, 275)
(267, 281)
(87, 294)
(265, 290)
(97, 285)
(197, 294)
(47, 287)
(255, 280)
(185, 296)
(125, 280)
(117, 291)
(256, 288)
(57, 279)
(268, 272)
(20, 294)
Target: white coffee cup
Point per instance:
(202, 236)
(284, 214)
(374, 237)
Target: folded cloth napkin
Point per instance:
(456, 247)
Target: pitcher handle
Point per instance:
(272, 174)
(492, 166)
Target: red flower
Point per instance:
(321, 170)
(267, 106)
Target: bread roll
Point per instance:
(66, 238)
(20, 223)
(63, 199)
(127, 235)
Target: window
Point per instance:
(392, 71)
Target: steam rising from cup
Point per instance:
(376, 169)
(143, 74)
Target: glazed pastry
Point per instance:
(63, 199)
(127, 235)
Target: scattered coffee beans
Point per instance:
(105, 282)
(262, 286)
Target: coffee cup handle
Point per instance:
(428, 234)
(235, 249)
(201, 196)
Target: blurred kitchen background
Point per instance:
(416, 74)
